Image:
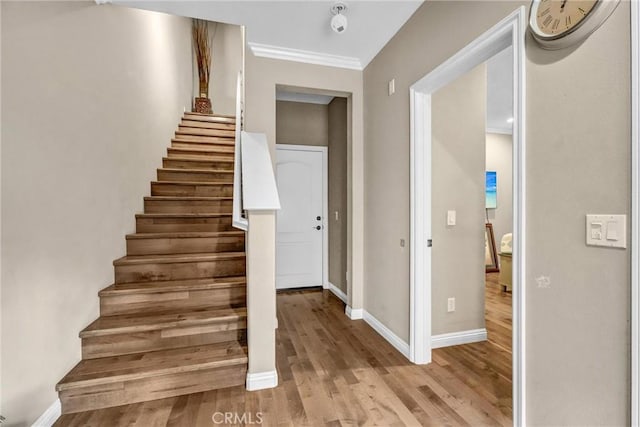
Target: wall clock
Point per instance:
(556, 24)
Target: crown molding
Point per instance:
(306, 56)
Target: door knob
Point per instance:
(318, 227)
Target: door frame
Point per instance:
(635, 213)
(325, 201)
(510, 31)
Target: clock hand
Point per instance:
(564, 2)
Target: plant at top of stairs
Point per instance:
(174, 322)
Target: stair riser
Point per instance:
(206, 132)
(209, 119)
(207, 125)
(194, 245)
(205, 165)
(122, 393)
(198, 155)
(191, 206)
(217, 148)
(174, 225)
(164, 175)
(222, 148)
(177, 271)
(160, 301)
(136, 342)
(204, 139)
(191, 190)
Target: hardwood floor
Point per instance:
(337, 372)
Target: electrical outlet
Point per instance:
(451, 305)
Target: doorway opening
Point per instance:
(312, 132)
(509, 33)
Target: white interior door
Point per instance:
(300, 221)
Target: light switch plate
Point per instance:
(609, 231)
(451, 218)
(392, 86)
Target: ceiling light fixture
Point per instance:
(339, 21)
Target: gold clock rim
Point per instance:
(539, 36)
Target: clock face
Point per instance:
(555, 17)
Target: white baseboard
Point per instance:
(387, 334)
(354, 313)
(262, 380)
(457, 338)
(337, 292)
(49, 416)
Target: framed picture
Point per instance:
(490, 254)
(491, 190)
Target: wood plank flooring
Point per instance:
(337, 372)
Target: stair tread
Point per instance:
(184, 234)
(186, 198)
(185, 131)
(203, 171)
(183, 215)
(132, 323)
(174, 286)
(115, 369)
(190, 159)
(206, 116)
(193, 182)
(175, 258)
(197, 150)
(220, 140)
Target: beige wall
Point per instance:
(91, 96)
(338, 135)
(262, 76)
(226, 63)
(301, 123)
(499, 159)
(458, 164)
(571, 175)
(578, 151)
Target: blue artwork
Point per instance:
(491, 190)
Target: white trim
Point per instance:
(337, 292)
(259, 189)
(510, 31)
(354, 313)
(325, 199)
(306, 56)
(458, 338)
(504, 131)
(635, 214)
(262, 380)
(50, 416)
(238, 221)
(386, 333)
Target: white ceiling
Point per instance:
(500, 91)
(301, 25)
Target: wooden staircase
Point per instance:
(174, 322)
